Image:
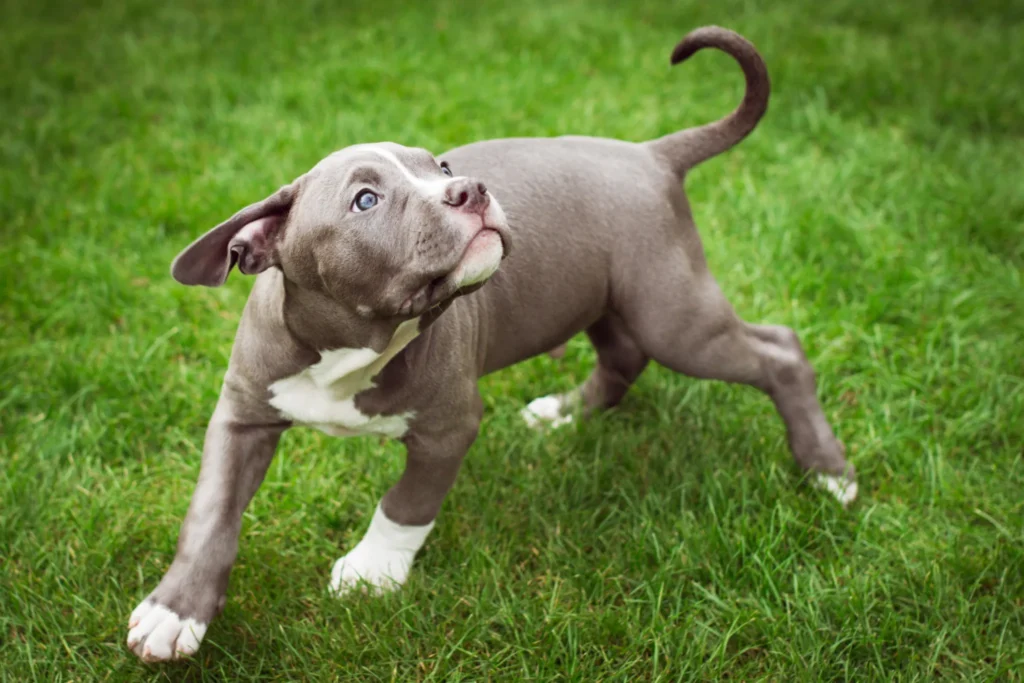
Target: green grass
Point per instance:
(878, 209)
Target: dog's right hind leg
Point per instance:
(696, 332)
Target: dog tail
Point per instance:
(687, 148)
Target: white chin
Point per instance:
(483, 256)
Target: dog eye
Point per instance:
(365, 200)
(444, 169)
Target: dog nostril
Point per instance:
(467, 195)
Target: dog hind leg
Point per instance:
(684, 322)
(619, 362)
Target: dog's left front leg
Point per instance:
(406, 513)
(172, 620)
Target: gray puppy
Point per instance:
(380, 301)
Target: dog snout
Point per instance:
(466, 194)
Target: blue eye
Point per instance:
(365, 201)
(444, 169)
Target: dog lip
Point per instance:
(469, 243)
(482, 230)
(490, 228)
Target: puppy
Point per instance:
(383, 294)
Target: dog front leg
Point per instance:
(405, 515)
(172, 620)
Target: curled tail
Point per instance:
(687, 148)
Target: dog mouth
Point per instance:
(482, 241)
(478, 261)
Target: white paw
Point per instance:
(157, 634)
(381, 570)
(842, 488)
(382, 559)
(546, 411)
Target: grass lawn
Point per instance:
(878, 209)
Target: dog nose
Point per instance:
(467, 195)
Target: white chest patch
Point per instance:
(323, 395)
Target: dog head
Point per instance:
(385, 230)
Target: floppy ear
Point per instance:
(249, 239)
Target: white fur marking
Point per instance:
(163, 634)
(432, 188)
(480, 265)
(547, 411)
(323, 395)
(842, 488)
(382, 558)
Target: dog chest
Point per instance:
(323, 395)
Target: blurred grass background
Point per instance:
(878, 209)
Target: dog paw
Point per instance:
(844, 490)
(382, 559)
(381, 571)
(546, 411)
(157, 634)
